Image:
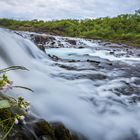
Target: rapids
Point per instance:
(91, 87)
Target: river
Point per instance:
(92, 87)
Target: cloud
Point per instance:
(60, 9)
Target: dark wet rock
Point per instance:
(115, 65)
(110, 63)
(93, 61)
(52, 43)
(128, 89)
(43, 128)
(39, 130)
(61, 133)
(72, 42)
(54, 57)
(40, 39)
(81, 47)
(76, 66)
(112, 52)
(135, 99)
(66, 67)
(81, 76)
(106, 43)
(48, 41)
(95, 76)
(72, 60)
(41, 47)
(78, 136)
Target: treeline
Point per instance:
(123, 28)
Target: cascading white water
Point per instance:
(87, 106)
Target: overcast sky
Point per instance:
(61, 9)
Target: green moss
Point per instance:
(46, 130)
(5, 114)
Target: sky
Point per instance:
(64, 9)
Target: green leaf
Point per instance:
(4, 104)
(13, 68)
(23, 88)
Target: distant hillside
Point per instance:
(124, 28)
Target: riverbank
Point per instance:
(135, 42)
(121, 29)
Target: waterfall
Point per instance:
(86, 88)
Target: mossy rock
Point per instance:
(43, 129)
(40, 130)
(61, 132)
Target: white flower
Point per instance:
(7, 87)
(16, 121)
(28, 107)
(29, 112)
(29, 102)
(22, 117)
(22, 106)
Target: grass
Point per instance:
(124, 28)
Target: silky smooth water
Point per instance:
(85, 105)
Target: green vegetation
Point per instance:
(124, 28)
(12, 111)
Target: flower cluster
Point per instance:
(22, 105)
(25, 107)
(19, 118)
(5, 83)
